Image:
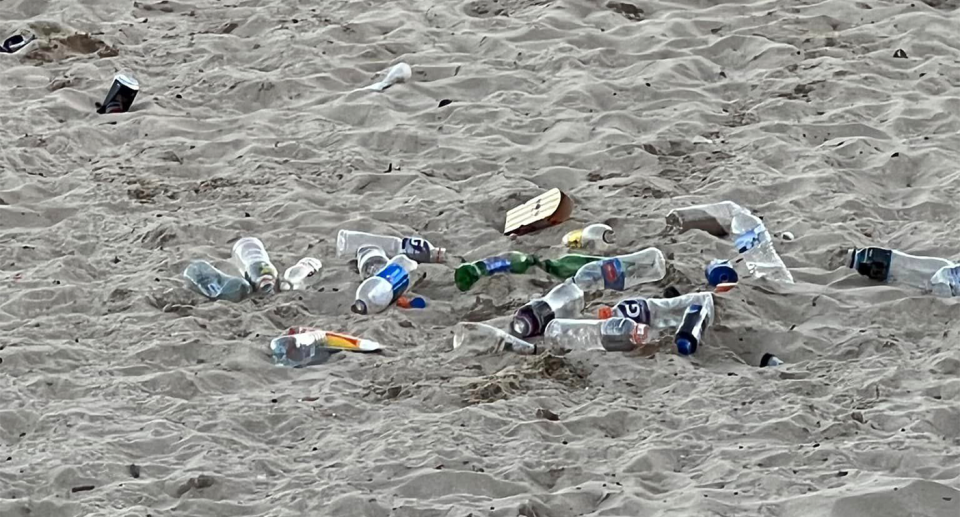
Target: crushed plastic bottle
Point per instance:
(598, 237)
(380, 291)
(623, 272)
(750, 236)
(295, 277)
(370, 259)
(466, 275)
(203, 278)
(946, 281)
(251, 257)
(895, 267)
(563, 301)
(566, 266)
(315, 346)
(486, 339)
(612, 335)
(420, 250)
(689, 335)
(659, 313)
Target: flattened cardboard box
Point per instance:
(550, 208)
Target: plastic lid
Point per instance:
(720, 273)
(266, 284)
(685, 346)
(604, 312)
(359, 307)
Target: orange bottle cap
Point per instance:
(722, 288)
(604, 312)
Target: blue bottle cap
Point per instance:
(720, 272)
(685, 346)
(418, 302)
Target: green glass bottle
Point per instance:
(512, 262)
(567, 265)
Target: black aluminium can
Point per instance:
(121, 95)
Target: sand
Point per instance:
(248, 124)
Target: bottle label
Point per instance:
(636, 309)
(417, 249)
(574, 239)
(613, 276)
(343, 341)
(496, 265)
(398, 277)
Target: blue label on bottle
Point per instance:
(612, 271)
(397, 276)
(636, 309)
(496, 265)
(750, 239)
(417, 249)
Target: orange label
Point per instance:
(343, 341)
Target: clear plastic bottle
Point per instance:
(689, 334)
(622, 272)
(314, 346)
(612, 335)
(378, 292)
(756, 247)
(563, 301)
(370, 259)
(202, 277)
(250, 256)
(295, 277)
(486, 339)
(420, 250)
(595, 237)
(658, 313)
(895, 267)
(946, 281)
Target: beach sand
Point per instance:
(123, 394)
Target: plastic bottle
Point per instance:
(295, 277)
(769, 359)
(315, 346)
(567, 266)
(370, 259)
(563, 301)
(251, 257)
(598, 237)
(420, 250)
(756, 247)
(204, 278)
(658, 313)
(489, 339)
(946, 281)
(378, 292)
(622, 272)
(691, 329)
(612, 335)
(895, 267)
(513, 262)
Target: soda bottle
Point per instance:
(658, 313)
(563, 301)
(946, 281)
(378, 292)
(895, 267)
(204, 278)
(691, 329)
(487, 339)
(370, 259)
(599, 237)
(295, 277)
(315, 346)
(251, 257)
(622, 272)
(420, 250)
(612, 335)
(513, 262)
(567, 265)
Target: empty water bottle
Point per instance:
(420, 250)
(370, 259)
(563, 301)
(946, 281)
(486, 339)
(295, 277)
(566, 266)
(756, 247)
(378, 292)
(598, 237)
(316, 346)
(251, 257)
(612, 335)
(204, 278)
(895, 267)
(622, 272)
(513, 262)
(659, 313)
(689, 335)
